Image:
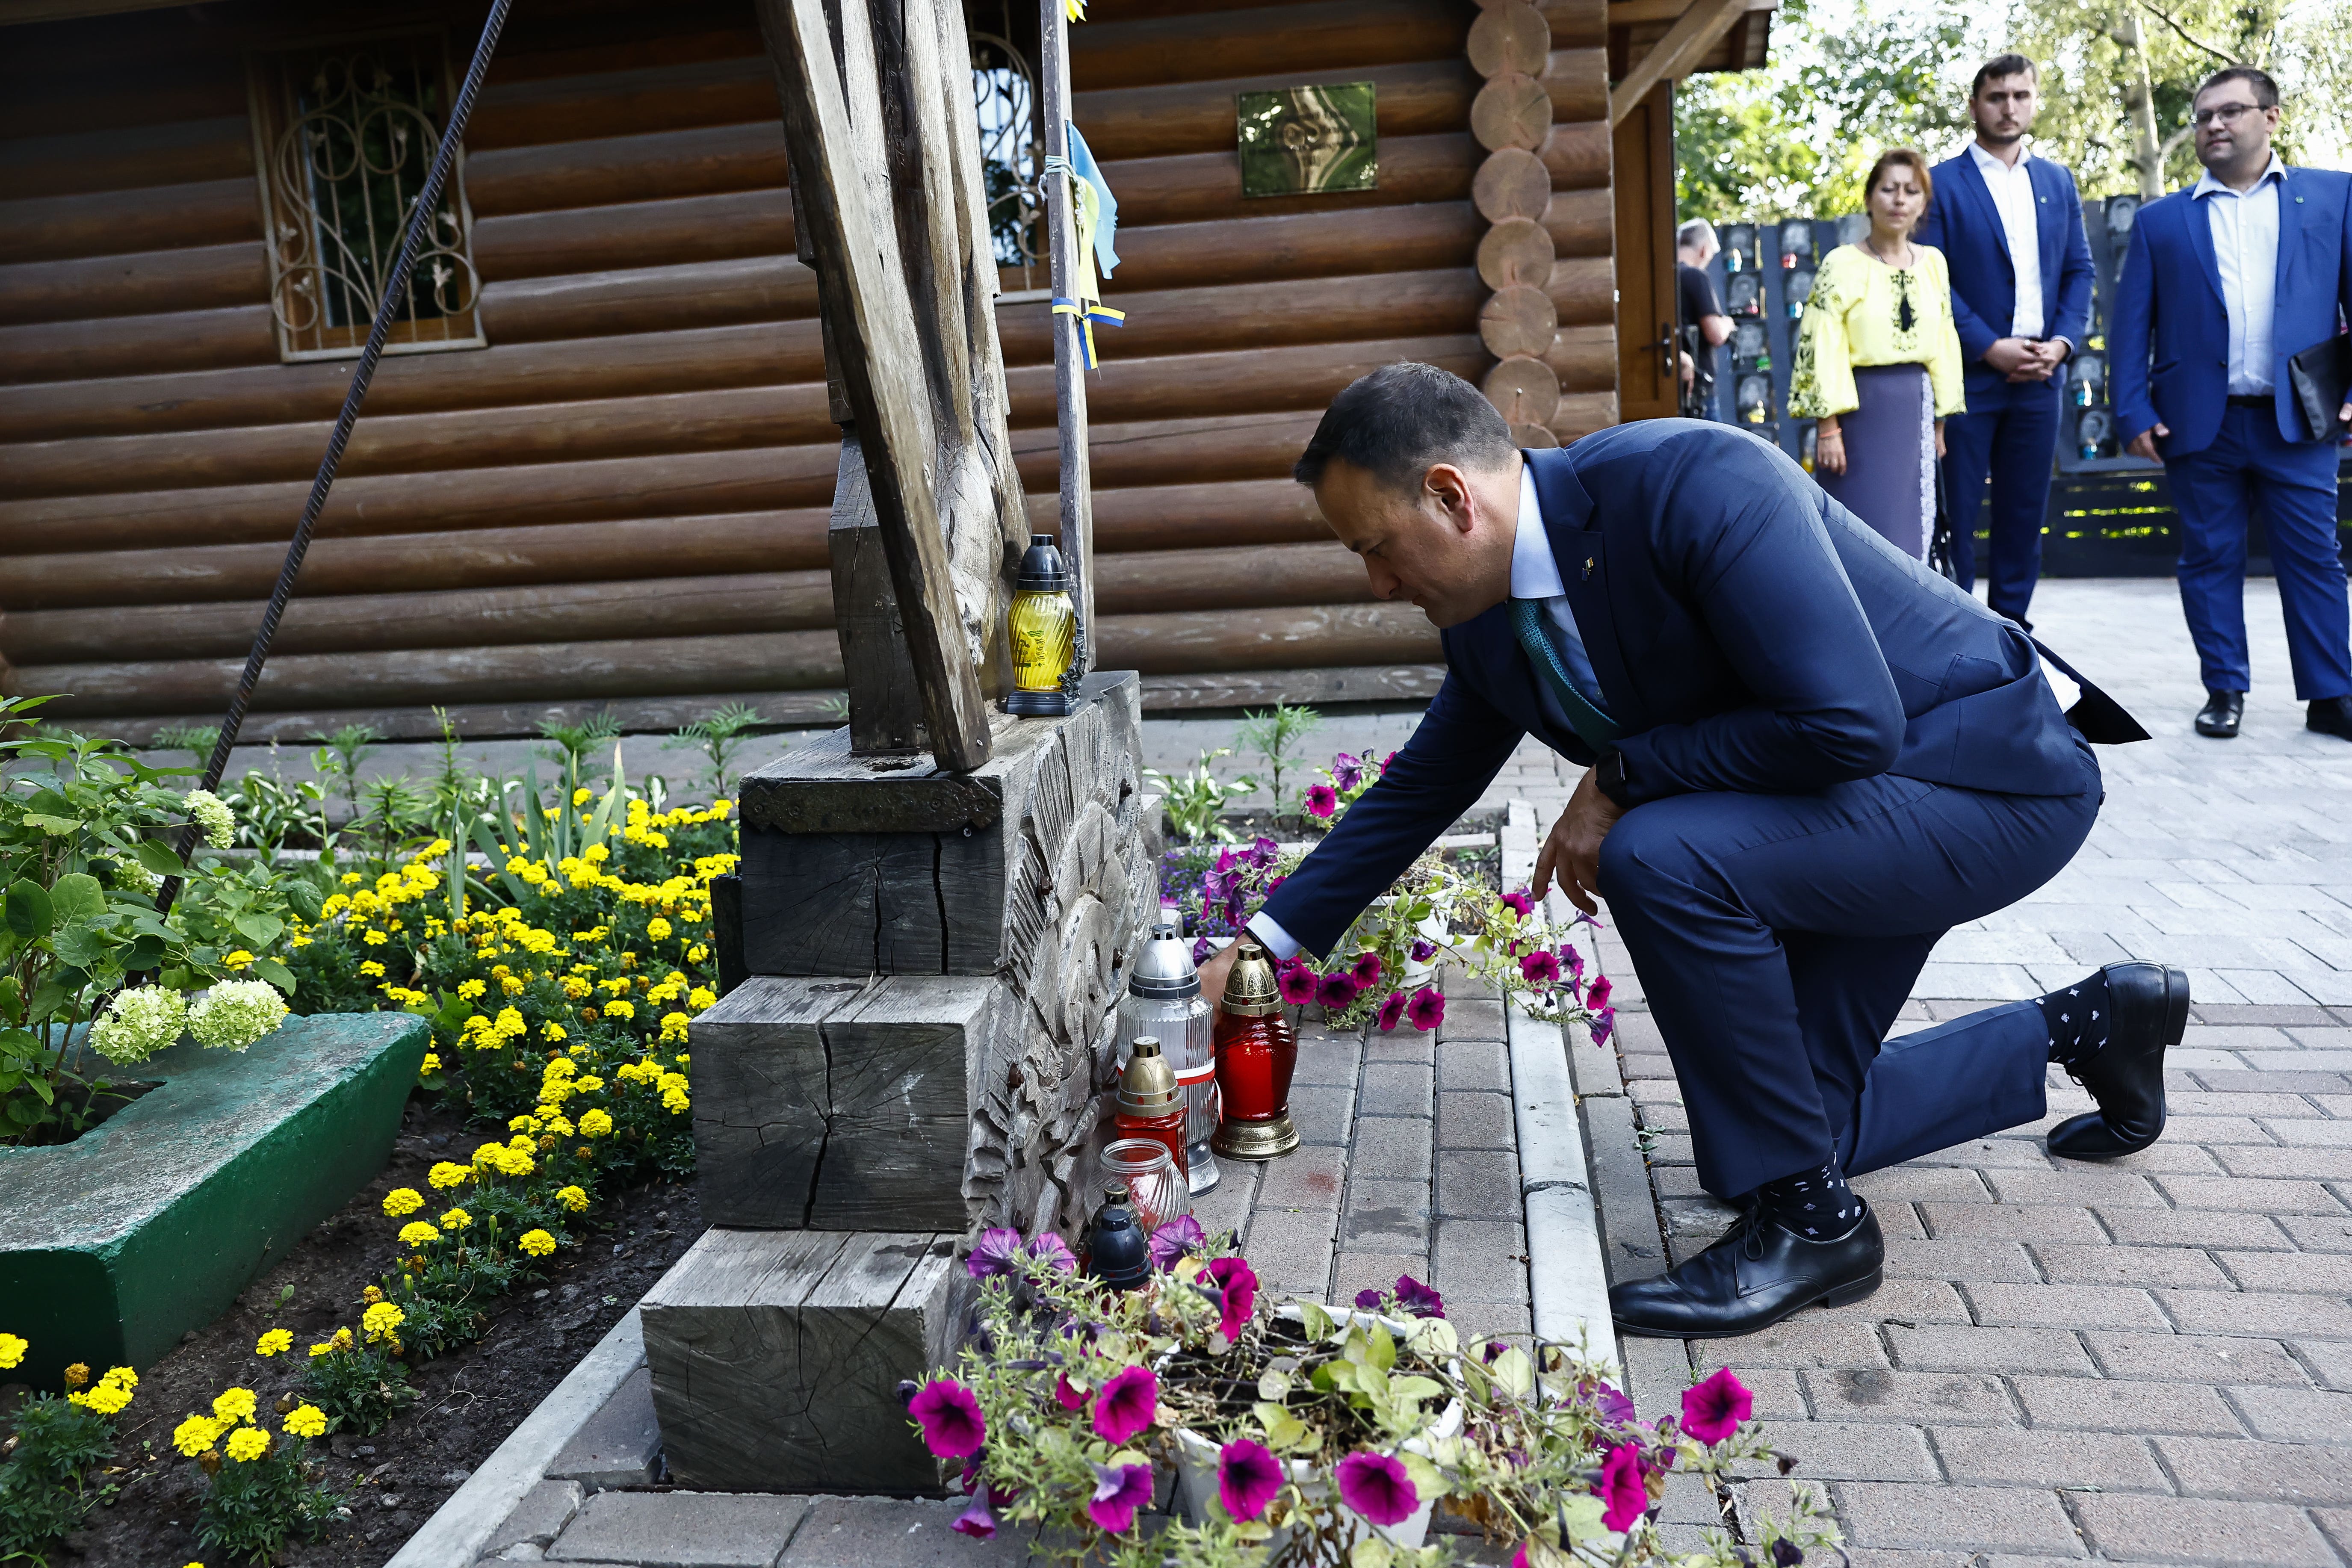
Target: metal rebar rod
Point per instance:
(395, 291)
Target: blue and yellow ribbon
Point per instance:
(1089, 313)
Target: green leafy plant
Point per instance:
(1194, 801)
(43, 1496)
(574, 743)
(1276, 735)
(339, 758)
(720, 738)
(359, 1388)
(196, 740)
(261, 1488)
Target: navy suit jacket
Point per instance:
(2168, 339)
(1963, 223)
(1748, 634)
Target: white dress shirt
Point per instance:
(2245, 231)
(2020, 224)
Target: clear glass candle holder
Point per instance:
(1154, 1186)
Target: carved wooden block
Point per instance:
(776, 1356)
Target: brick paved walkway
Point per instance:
(2148, 1361)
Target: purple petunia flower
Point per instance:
(1054, 1253)
(1787, 1553)
(1174, 1239)
(1423, 950)
(949, 1417)
(1615, 1408)
(1417, 1299)
(1366, 971)
(994, 1253)
(1602, 1023)
(1427, 1008)
(1623, 1488)
(1236, 1283)
(1521, 903)
(1598, 997)
(1347, 770)
(1068, 1395)
(1573, 959)
(976, 1520)
(1201, 947)
(1377, 1487)
(1126, 1404)
(1336, 992)
(1385, 762)
(1322, 801)
(1540, 967)
(1297, 985)
(1391, 1012)
(1367, 1299)
(1119, 1490)
(1248, 1477)
(1713, 1409)
(1262, 852)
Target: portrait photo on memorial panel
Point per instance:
(2087, 373)
(1798, 290)
(1853, 228)
(2121, 210)
(1796, 242)
(2093, 432)
(1743, 294)
(1748, 342)
(1740, 248)
(1752, 398)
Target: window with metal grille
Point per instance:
(1004, 90)
(343, 133)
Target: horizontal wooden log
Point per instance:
(201, 277)
(107, 222)
(1298, 245)
(444, 617)
(1584, 359)
(1318, 39)
(1303, 375)
(635, 234)
(415, 443)
(1191, 641)
(1422, 98)
(1576, 24)
(1439, 301)
(1578, 83)
(641, 717)
(648, 299)
(574, 39)
(1231, 514)
(202, 80)
(126, 157)
(1196, 186)
(1582, 413)
(575, 370)
(1583, 289)
(136, 345)
(1577, 154)
(1579, 223)
(63, 584)
(625, 102)
(702, 160)
(677, 484)
(1314, 687)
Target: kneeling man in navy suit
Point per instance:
(1808, 757)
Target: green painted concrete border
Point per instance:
(115, 1245)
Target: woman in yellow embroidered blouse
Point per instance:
(1877, 362)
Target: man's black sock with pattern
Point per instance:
(2077, 1020)
(1816, 1205)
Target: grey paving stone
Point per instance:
(2176, 1227)
(1310, 1177)
(1474, 1064)
(1807, 1339)
(1291, 1251)
(2195, 1529)
(1355, 1271)
(1478, 1183)
(1909, 1302)
(1324, 1060)
(2112, 1462)
(1911, 1398)
(681, 1529)
(1323, 1113)
(2258, 1472)
(1856, 1451)
(2011, 1221)
(1942, 1348)
(1471, 1020)
(2065, 1306)
(2259, 1313)
(2315, 1233)
(1385, 1217)
(1962, 1259)
(1396, 1148)
(1475, 1119)
(2308, 1134)
(2297, 1415)
(2324, 1273)
(2246, 1195)
(2136, 1266)
(544, 1511)
(1987, 1519)
(616, 1447)
(2114, 1404)
(870, 1532)
(1226, 1205)
(2303, 1162)
(2075, 1185)
(2192, 1358)
(1481, 1260)
(1472, 1319)
(1395, 1089)
(1407, 1045)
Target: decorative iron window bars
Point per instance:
(343, 133)
(1004, 89)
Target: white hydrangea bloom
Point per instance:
(137, 1023)
(235, 1012)
(131, 874)
(212, 814)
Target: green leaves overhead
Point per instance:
(29, 913)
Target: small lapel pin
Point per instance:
(1587, 566)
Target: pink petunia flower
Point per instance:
(1391, 1012)
(1598, 997)
(949, 1417)
(1540, 967)
(1377, 1487)
(994, 1253)
(1336, 992)
(1623, 1488)
(1174, 1239)
(1068, 1395)
(1322, 800)
(1366, 971)
(1713, 1409)
(1119, 1490)
(1297, 985)
(1236, 1283)
(1248, 1477)
(1427, 1008)
(1385, 762)
(1521, 903)
(1126, 1405)
(1519, 1558)
(1054, 1253)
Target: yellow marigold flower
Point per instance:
(373, 1293)
(658, 928)
(511, 985)
(522, 1141)
(235, 1405)
(247, 1444)
(559, 1127)
(538, 1243)
(306, 1421)
(379, 1320)
(559, 1066)
(594, 1124)
(574, 1198)
(417, 1233)
(122, 1375)
(554, 1031)
(321, 1349)
(469, 989)
(76, 1375)
(582, 796)
(673, 1028)
(526, 1123)
(107, 1398)
(403, 1201)
(374, 937)
(588, 1085)
(372, 969)
(455, 1219)
(702, 998)
(432, 1062)
(196, 1434)
(620, 1009)
(697, 953)
(675, 1101)
(444, 1175)
(352, 878)
(238, 959)
(274, 1342)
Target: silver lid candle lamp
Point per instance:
(1163, 1000)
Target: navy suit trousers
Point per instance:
(2010, 434)
(1775, 936)
(2249, 468)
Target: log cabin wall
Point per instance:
(621, 501)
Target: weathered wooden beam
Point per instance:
(1685, 44)
(1077, 513)
(834, 125)
(885, 702)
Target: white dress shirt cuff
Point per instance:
(1272, 937)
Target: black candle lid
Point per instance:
(1041, 568)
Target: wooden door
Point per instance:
(1644, 193)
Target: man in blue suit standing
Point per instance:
(1808, 758)
(2010, 227)
(2222, 286)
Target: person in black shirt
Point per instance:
(1704, 327)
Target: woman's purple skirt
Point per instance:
(1890, 455)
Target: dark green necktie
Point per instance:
(1596, 728)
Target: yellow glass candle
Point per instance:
(1044, 631)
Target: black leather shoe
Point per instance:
(2330, 716)
(1759, 1273)
(2147, 1011)
(2223, 713)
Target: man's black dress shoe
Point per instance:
(2147, 1010)
(1759, 1273)
(2330, 716)
(2223, 713)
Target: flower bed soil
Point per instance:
(468, 1400)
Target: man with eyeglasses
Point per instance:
(2222, 286)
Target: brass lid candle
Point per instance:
(1150, 1103)
(1257, 1052)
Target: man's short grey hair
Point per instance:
(1402, 417)
(1696, 234)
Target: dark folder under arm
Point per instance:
(2321, 378)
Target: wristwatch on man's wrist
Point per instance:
(1609, 778)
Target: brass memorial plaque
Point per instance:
(1302, 141)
